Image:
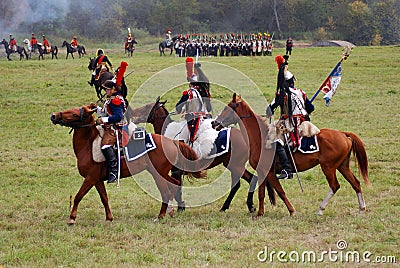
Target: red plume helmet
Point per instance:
(189, 67)
(121, 72)
(279, 60)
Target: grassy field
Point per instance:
(39, 174)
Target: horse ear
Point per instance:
(234, 97)
(158, 99)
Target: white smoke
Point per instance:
(32, 11)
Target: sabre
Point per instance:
(128, 74)
(294, 163)
(119, 157)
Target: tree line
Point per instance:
(360, 22)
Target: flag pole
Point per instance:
(345, 55)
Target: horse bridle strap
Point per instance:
(72, 125)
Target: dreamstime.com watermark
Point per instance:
(340, 254)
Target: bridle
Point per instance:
(231, 118)
(151, 117)
(82, 117)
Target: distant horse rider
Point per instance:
(129, 39)
(168, 38)
(295, 108)
(34, 43)
(13, 44)
(102, 63)
(112, 118)
(74, 42)
(46, 44)
(195, 102)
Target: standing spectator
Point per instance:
(289, 46)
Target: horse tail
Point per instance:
(191, 156)
(160, 46)
(26, 53)
(55, 50)
(360, 154)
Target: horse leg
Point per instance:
(161, 181)
(101, 189)
(86, 186)
(330, 174)
(234, 188)
(271, 178)
(344, 169)
(252, 180)
(177, 175)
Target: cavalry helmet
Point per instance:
(99, 52)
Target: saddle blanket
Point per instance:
(308, 145)
(221, 144)
(138, 148)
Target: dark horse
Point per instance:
(335, 148)
(43, 51)
(20, 50)
(235, 159)
(104, 77)
(130, 47)
(70, 50)
(156, 162)
(163, 45)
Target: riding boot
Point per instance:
(112, 164)
(286, 172)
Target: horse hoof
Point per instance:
(71, 222)
(181, 209)
(171, 212)
(252, 210)
(293, 213)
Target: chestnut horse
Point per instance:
(157, 161)
(235, 159)
(334, 153)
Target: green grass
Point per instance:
(39, 174)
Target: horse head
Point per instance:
(75, 117)
(65, 43)
(229, 115)
(4, 42)
(92, 64)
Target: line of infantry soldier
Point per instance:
(226, 45)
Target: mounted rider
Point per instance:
(74, 42)
(168, 38)
(102, 65)
(34, 42)
(129, 39)
(112, 118)
(46, 44)
(195, 102)
(13, 44)
(295, 108)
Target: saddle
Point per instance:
(307, 131)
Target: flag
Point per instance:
(331, 84)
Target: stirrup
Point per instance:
(112, 178)
(285, 175)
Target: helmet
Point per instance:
(99, 52)
(109, 84)
(43, 36)
(11, 35)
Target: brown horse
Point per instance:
(235, 159)
(335, 149)
(157, 161)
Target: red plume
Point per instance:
(279, 60)
(189, 67)
(121, 72)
